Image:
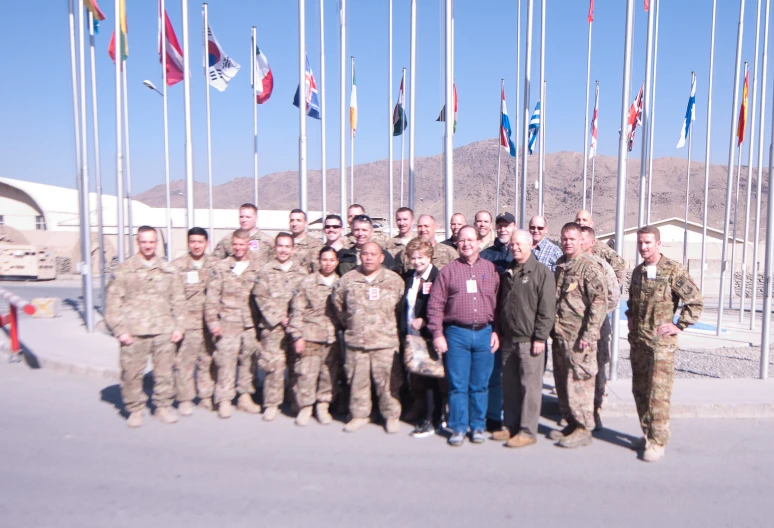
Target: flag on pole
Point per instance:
(264, 79)
(647, 5)
(591, 11)
(353, 102)
(690, 114)
(505, 126)
(534, 127)
(593, 149)
(399, 121)
(174, 52)
(743, 110)
(635, 117)
(123, 43)
(220, 67)
(442, 115)
(311, 98)
(95, 11)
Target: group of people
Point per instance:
(459, 328)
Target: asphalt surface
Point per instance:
(68, 459)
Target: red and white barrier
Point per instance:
(15, 303)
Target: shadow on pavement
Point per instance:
(112, 394)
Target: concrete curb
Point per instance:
(698, 410)
(68, 367)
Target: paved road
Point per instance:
(68, 460)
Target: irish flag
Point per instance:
(353, 102)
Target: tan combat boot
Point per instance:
(354, 424)
(392, 426)
(270, 413)
(578, 438)
(224, 409)
(245, 403)
(134, 420)
(205, 404)
(520, 440)
(323, 416)
(502, 435)
(303, 416)
(185, 408)
(653, 453)
(558, 435)
(166, 415)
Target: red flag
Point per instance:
(591, 11)
(647, 4)
(743, 110)
(174, 53)
(635, 116)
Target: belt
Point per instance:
(474, 327)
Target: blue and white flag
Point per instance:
(690, 113)
(534, 127)
(312, 99)
(505, 127)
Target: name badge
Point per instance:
(651, 271)
(426, 288)
(373, 294)
(471, 286)
(192, 277)
(254, 245)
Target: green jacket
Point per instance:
(526, 302)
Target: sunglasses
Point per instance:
(539, 228)
(332, 226)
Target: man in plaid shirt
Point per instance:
(544, 250)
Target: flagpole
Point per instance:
(541, 152)
(342, 106)
(651, 132)
(594, 159)
(119, 142)
(448, 139)
(205, 63)
(163, 49)
(646, 109)
(97, 170)
(687, 181)
(128, 172)
(402, 136)
(586, 114)
(389, 118)
(756, 233)
(76, 109)
(85, 212)
(516, 110)
(707, 148)
(593, 170)
(750, 152)
(499, 150)
(351, 143)
(623, 150)
(253, 47)
(525, 129)
(302, 175)
(769, 263)
(412, 98)
(189, 175)
(733, 238)
(323, 116)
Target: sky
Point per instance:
(37, 138)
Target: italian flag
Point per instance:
(399, 121)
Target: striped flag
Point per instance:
(96, 13)
(635, 117)
(593, 149)
(122, 42)
(353, 102)
(591, 11)
(505, 126)
(173, 50)
(442, 115)
(263, 78)
(399, 121)
(690, 113)
(743, 109)
(534, 127)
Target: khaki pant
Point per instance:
(653, 371)
(133, 359)
(194, 362)
(383, 366)
(276, 354)
(230, 350)
(575, 372)
(522, 387)
(603, 358)
(315, 374)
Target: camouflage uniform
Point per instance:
(600, 249)
(652, 303)
(227, 306)
(581, 306)
(195, 352)
(488, 240)
(146, 302)
(306, 251)
(380, 237)
(312, 319)
(261, 246)
(603, 345)
(368, 312)
(442, 255)
(273, 292)
(397, 243)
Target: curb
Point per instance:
(698, 410)
(76, 369)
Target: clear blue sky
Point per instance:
(36, 98)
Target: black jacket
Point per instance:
(348, 260)
(498, 254)
(526, 302)
(420, 307)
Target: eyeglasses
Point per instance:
(538, 228)
(332, 226)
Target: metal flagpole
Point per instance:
(646, 109)
(205, 63)
(323, 117)
(651, 133)
(119, 145)
(412, 98)
(756, 233)
(542, 86)
(687, 184)
(586, 118)
(389, 119)
(253, 47)
(342, 106)
(128, 171)
(729, 178)
(351, 145)
(516, 111)
(542, 153)
(750, 152)
(767, 271)
(525, 126)
(623, 149)
(499, 150)
(97, 171)
(189, 176)
(85, 212)
(76, 109)
(302, 176)
(163, 49)
(402, 135)
(733, 237)
(707, 149)
(594, 159)
(448, 138)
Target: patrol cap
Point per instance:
(506, 217)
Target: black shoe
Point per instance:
(456, 439)
(423, 430)
(493, 425)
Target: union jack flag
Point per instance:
(635, 117)
(312, 98)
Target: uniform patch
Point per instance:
(254, 245)
(373, 294)
(571, 287)
(525, 279)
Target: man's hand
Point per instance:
(216, 332)
(440, 345)
(538, 347)
(494, 342)
(668, 329)
(126, 339)
(299, 345)
(417, 324)
(583, 344)
(177, 337)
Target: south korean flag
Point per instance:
(220, 67)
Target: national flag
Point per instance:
(442, 115)
(690, 113)
(173, 50)
(399, 121)
(635, 117)
(534, 127)
(263, 78)
(311, 98)
(505, 126)
(122, 42)
(743, 110)
(647, 5)
(591, 11)
(353, 103)
(96, 13)
(220, 67)
(594, 124)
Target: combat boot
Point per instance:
(558, 435)
(224, 409)
(354, 424)
(392, 426)
(134, 420)
(185, 408)
(166, 415)
(653, 453)
(205, 404)
(245, 403)
(578, 438)
(303, 415)
(270, 413)
(520, 440)
(640, 443)
(502, 435)
(323, 416)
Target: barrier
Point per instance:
(15, 303)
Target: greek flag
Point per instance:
(534, 127)
(690, 114)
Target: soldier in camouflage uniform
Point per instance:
(230, 317)
(195, 352)
(366, 301)
(306, 248)
(145, 312)
(350, 239)
(349, 258)
(260, 243)
(658, 285)
(273, 292)
(600, 249)
(404, 219)
(442, 254)
(581, 306)
(588, 238)
(313, 331)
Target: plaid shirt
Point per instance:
(547, 253)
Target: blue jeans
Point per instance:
(494, 409)
(468, 365)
